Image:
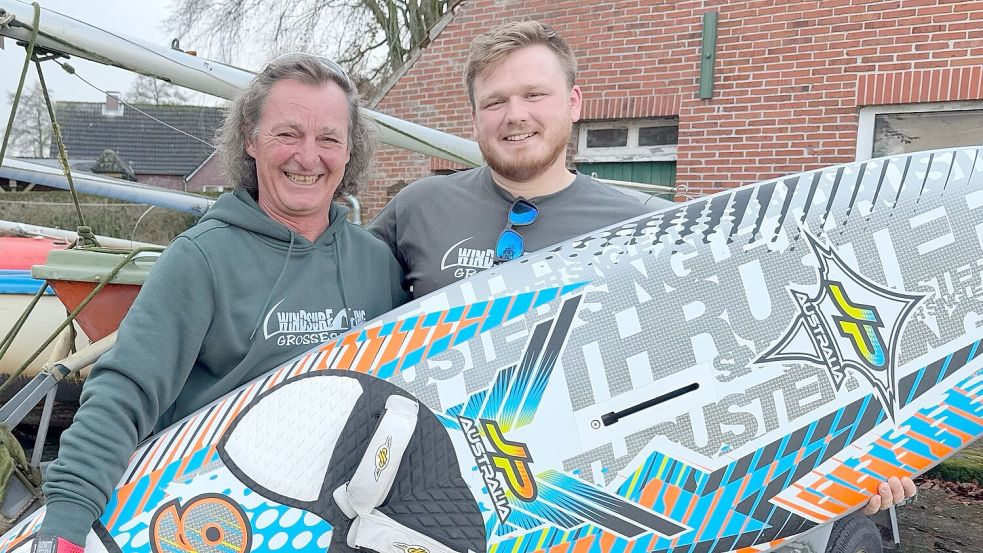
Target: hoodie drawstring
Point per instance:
(341, 283)
(266, 304)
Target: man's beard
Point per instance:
(526, 167)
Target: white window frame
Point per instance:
(632, 151)
(868, 115)
(216, 188)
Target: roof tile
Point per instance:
(149, 147)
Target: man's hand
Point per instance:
(55, 545)
(892, 492)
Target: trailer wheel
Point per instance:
(855, 534)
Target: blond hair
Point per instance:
(490, 48)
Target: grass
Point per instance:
(966, 466)
(107, 217)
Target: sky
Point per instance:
(136, 18)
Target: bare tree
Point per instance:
(370, 38)
(148, 90)
(31, 134)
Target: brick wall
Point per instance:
(790, 76)
(171, 182)
(209, 174)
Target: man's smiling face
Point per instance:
(301, 149)
(524, 112)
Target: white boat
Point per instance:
(26, 253)
(17, 289)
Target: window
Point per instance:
(607, 138)
(639, 154)
(890, 130)
(216, 189)
(898, 133)
(628, 141)
(658, 136)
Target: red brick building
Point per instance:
(796, 85)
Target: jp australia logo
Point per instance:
(382, 457)
(407, 548)
(466, 261)
(846, 322)
(502, 464)
(506, 466)
(301, 327)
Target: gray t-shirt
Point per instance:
(444, 228)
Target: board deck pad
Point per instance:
(815, 334)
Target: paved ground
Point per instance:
(948, 518)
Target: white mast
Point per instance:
(106, 187)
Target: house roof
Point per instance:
(149, 147)
(108, 162)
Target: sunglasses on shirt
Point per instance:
(510, 244)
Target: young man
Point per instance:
(520, 78)
(521, 82)
(206, 320)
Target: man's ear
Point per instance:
(575, 101)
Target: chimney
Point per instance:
(113, 105)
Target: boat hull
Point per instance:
(104, 313)
(44, 319)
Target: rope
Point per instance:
(71, 316)
(84, 231)
(133, 233)
(23, 77)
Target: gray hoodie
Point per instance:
(228, 300)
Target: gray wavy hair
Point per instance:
(241, 121)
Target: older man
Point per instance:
(271, 270)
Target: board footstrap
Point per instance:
(372, 481)
(377, 532)
(376, 472)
